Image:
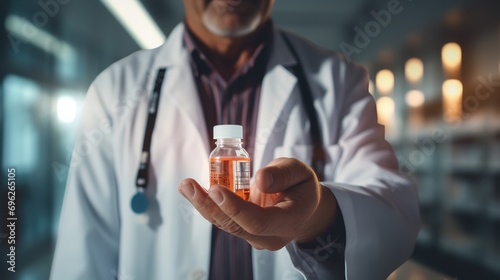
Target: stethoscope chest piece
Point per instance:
(139, 202)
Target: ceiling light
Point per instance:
(28, 32)
(136, 20)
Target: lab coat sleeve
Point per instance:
(378, 204)
(88, 237)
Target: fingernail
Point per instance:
(216, 196)
(187, 190)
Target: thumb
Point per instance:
(282, 174)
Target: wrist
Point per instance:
(324, 218)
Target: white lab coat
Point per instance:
(101, 238)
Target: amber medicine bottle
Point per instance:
(229, 162)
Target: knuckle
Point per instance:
(231, 227)
(258, 227)
(293, 171)
(295, 161)
(232, 210)
(204, 205)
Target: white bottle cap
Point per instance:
(228, 131)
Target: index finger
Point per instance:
(282, 174)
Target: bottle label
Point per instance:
(241, 174)
(232, 173)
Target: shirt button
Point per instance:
(196, 274)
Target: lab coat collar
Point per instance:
(280, 54)
(169, 52)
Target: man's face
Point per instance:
(228, 17)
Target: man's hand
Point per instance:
(286, 203)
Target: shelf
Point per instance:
(494, 212)
(422, 132)
(464, 207)
(466, 167)
(466, 249)
(472, 128)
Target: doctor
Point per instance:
(227, 63)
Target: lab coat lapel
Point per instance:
(277, 88)
(180, 85)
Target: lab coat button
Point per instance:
(197, 274)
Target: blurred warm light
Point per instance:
(384, 81)
(136, 20)
(452, 100)
(66, 109)
(451, 56)
(385, 110)
(414, 70)
(26, 31)
(370, 87)
(415, 98)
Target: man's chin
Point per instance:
(230, 27)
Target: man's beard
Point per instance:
(212, 20)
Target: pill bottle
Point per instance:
(229, 162)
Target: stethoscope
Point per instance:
(139, 202)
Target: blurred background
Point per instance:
(435, 73)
